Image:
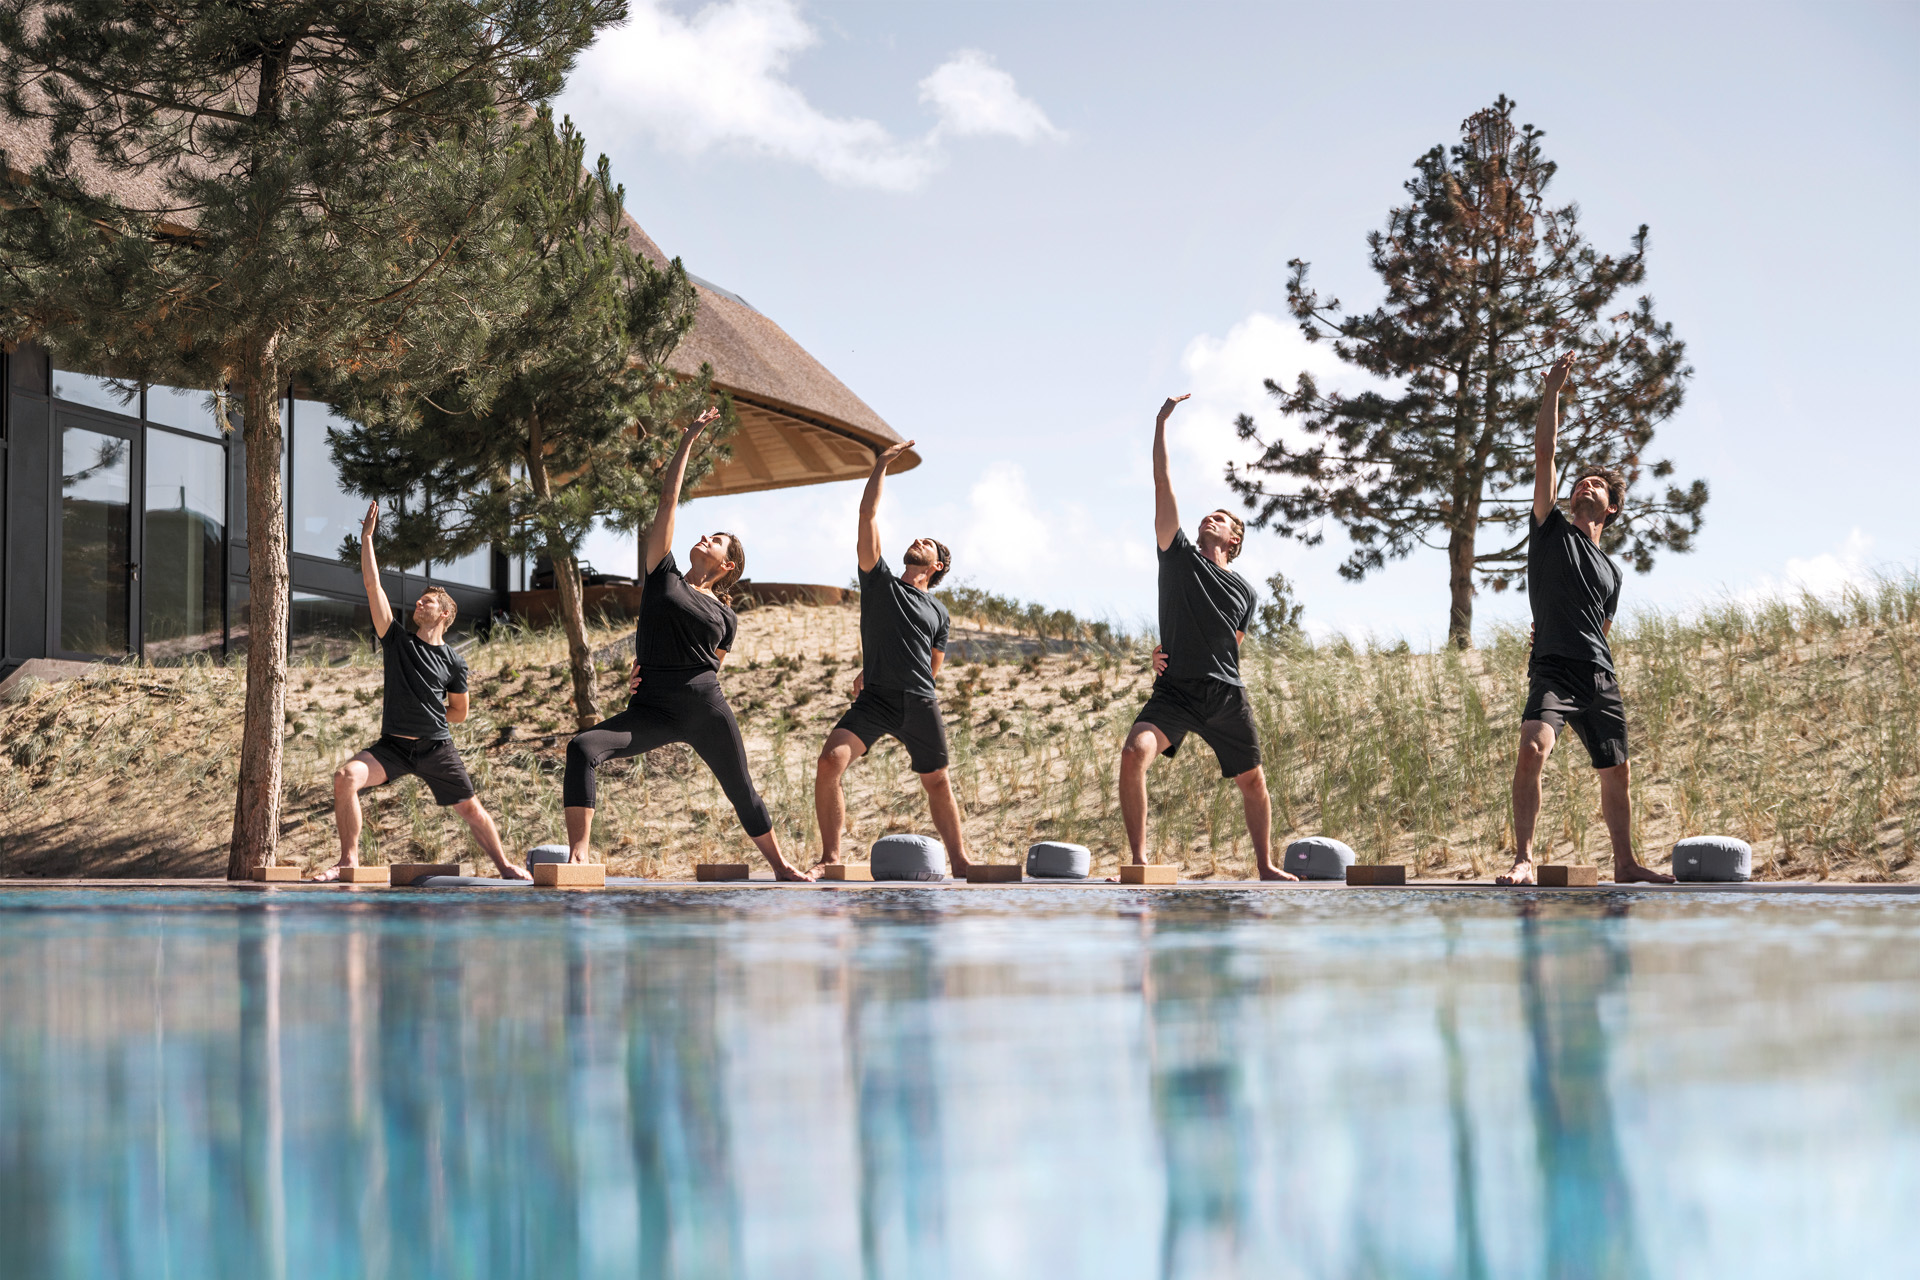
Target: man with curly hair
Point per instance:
(1205, 611)
(1574, 590)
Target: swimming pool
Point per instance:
(923, 1084)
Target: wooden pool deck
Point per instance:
(626, 885)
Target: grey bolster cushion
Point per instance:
(904, 857)
(1318, 858)
(1712, 858)
(548, 853)
(1057, 860)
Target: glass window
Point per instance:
(327, 629)
(100, 393)
(475, 569)
(324, 514)
(180, 562)
(96, 541)
(188, 410)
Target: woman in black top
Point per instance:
(684, 633)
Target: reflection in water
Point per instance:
(1192, 1012)
(913, 1084)
(1569, 964)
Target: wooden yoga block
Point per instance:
(982, 873)
(720, 871)
(1376, 875)
(366, 875)
(570, 875)
(1560, 875)
(1149, 873)
(276, 875)
(847, 871)
(408, 872)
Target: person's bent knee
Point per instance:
(935, 779)
(348, 777)
(1254, 779)
(1138, 748)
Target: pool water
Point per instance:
(921, 1084)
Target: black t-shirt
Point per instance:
(419, 678)
(1573, 588)
(681, 631)
(1201, 606)
(900, 627)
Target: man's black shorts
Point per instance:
(1221, 713)
(434, 760)
(911, 717)
(1567, 691)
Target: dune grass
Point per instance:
(1790, 723)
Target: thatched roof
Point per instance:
(798, 423)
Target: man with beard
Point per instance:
(1205, 610)
(903, 641)
(1574, 591)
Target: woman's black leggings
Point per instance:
(696, 713)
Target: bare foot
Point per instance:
(1633, 873)
(512, 872)
(581, 857)
(1275, 873)
(331, 874)
(960, 867)
(787, 871)
(1522, 873)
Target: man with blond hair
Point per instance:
(1205, 610)
(426, 691)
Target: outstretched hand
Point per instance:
(886, 456)
(708, 414)
(1557, 375)
(371, 524)
(1166, 410)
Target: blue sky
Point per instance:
(1013, 228)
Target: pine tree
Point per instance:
(575, 419)
(1485, 284)
(236, 195)
(1280, 616)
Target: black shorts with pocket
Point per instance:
(911, 717)
(1568, 691)
(1221, 713)
(435, 761)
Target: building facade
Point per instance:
(123, 514)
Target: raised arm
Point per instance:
(659, 539)
(1166, 513)
(370, 573)
(1546, 432)
(869, 548)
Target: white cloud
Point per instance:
(1005, 535)
(1825, 575)
(977, 99)
(718, 78)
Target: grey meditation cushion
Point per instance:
(548, 853)
(1318, 858)
(1057, 860)
(1712, 858)
(902, 857)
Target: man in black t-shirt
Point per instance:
(1205, 610)
(1574, 590)
(425, 693)
(903, 641)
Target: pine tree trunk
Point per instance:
(566, 579)
(1460, 588)
(256, 811)
(573, 618)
